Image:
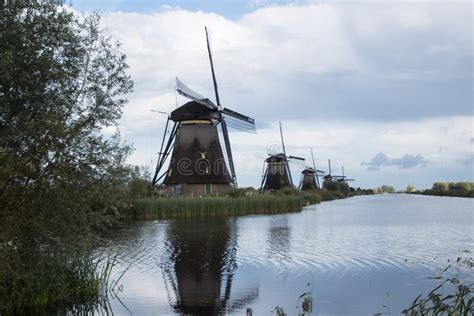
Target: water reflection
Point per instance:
(199, 267)
(279, 234)
(356, 249)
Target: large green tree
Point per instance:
(62, 81)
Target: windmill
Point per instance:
(196, 135)
(309, 176)
(343, 178)
(329, 176)
(277, 173)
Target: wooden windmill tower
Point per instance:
(277, 173)
(309, 177)
(201, 157)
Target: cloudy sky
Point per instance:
(383, 88)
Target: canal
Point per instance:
(358, 256)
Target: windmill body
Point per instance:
(277, 174)
(197, 165)
(309, 176)
(308, 180)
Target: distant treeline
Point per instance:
(384, 189)
(461, 189)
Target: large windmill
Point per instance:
(277, 173)
(196, 135)
(309, 176)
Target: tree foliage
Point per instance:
(62, 81)
(340, 186)
(385, 189)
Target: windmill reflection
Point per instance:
(200, 265)
(279, 235)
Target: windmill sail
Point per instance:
(220, 134)
(189, 93)
(239, 121)
(233, 119)
(296, 158)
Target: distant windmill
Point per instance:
(201, 160)
(329, 176)
(277, 173)
(342, 178)
(309, 176)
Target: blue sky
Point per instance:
(230, 9)
(383, 88)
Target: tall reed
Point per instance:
(185, 207)
(75, 284)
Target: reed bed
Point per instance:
(186, 207)
(72, 285)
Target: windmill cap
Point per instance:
(193, 110)
(276, 158)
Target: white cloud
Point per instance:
(350, 79)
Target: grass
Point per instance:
(76, 285)
(456, 299)
(211, 206)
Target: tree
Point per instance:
(340, 186)
(62, 80)
(460, 186)
(387, 189)
(411, 188)
(440, 186)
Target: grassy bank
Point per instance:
(468, 194)
(185, 207)
(458, 189)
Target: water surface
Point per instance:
(357, 255)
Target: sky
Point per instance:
(383, 88)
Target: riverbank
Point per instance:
(465, 194)
(455, 189)
(212, 206)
